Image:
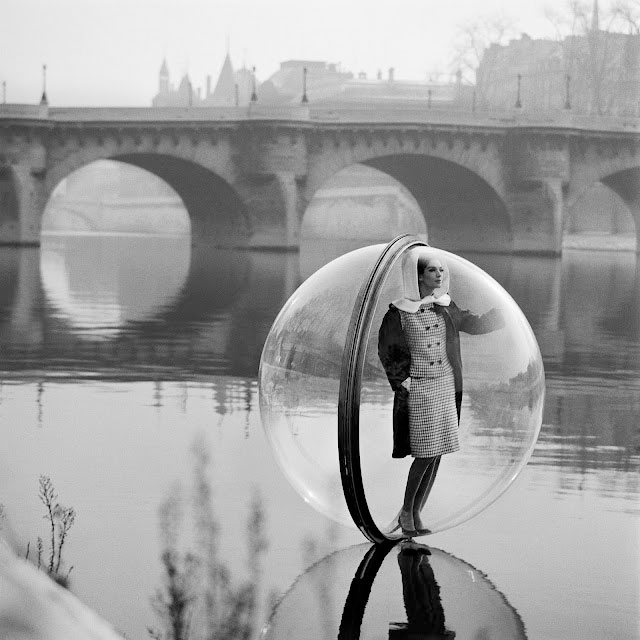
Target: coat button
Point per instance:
(421, 310)
(431, 363)
(427, 328)
(439, 361)
(428, 346)
(438, 344)
(435, 325)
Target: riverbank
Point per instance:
(599, 242)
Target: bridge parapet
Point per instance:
(400, 112)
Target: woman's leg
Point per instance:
(414, 480)
(426, 484)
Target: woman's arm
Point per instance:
(471, 323)
(393, 350)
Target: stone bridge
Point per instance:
(484, 181)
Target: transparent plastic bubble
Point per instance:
(405, 591)
(300, 379)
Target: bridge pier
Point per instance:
(21, 209)
(32, 200)
(539, 168)
(291, 200)
(275, 205)
(536, 210)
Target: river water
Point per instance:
(128, 377)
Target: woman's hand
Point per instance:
(406, 383)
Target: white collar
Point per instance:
(412, 306)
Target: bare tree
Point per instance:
(627, 13)
(590, 37)
(475, 36)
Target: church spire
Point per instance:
(163, 77)
(224, 92)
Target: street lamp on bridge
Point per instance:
(567, 99)
(44, 100)
(305, 99)
(254, 95)
(518, 102)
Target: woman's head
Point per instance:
(430, 274)
(420, 261)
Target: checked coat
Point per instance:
(395, 356)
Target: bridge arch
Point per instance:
(626, 184)
(618, 169)
(217, 213)
(461, 208)
(361, 205)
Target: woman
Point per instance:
(419, 347)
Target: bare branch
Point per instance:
(627, 12)
(475, 36)
(67, 518)
(48, 496)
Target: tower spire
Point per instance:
(163, 77)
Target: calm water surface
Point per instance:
(129, 377)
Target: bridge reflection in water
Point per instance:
(119, 307)
(95, 308)
(185, 362)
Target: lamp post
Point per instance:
(567, 94)
(237, 94)
(473, 101)
(4, 92)
(44, 100)
(254, 95)
(518, 102)
(305, 99)
(429, 99)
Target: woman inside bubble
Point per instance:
(419, 347)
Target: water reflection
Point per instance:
(408, 591)
(584, 309)
(138, 308)
(98, 286)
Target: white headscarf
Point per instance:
(412, 301)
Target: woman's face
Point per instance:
(432, 276)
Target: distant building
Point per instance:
(233, 88)
(595, 73)
(328, 83)
(325, 82)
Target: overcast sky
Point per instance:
(108, 52)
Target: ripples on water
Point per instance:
(118, 352)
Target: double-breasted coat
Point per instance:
(395, 356)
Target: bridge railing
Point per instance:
(396, 112)
(8, 110)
